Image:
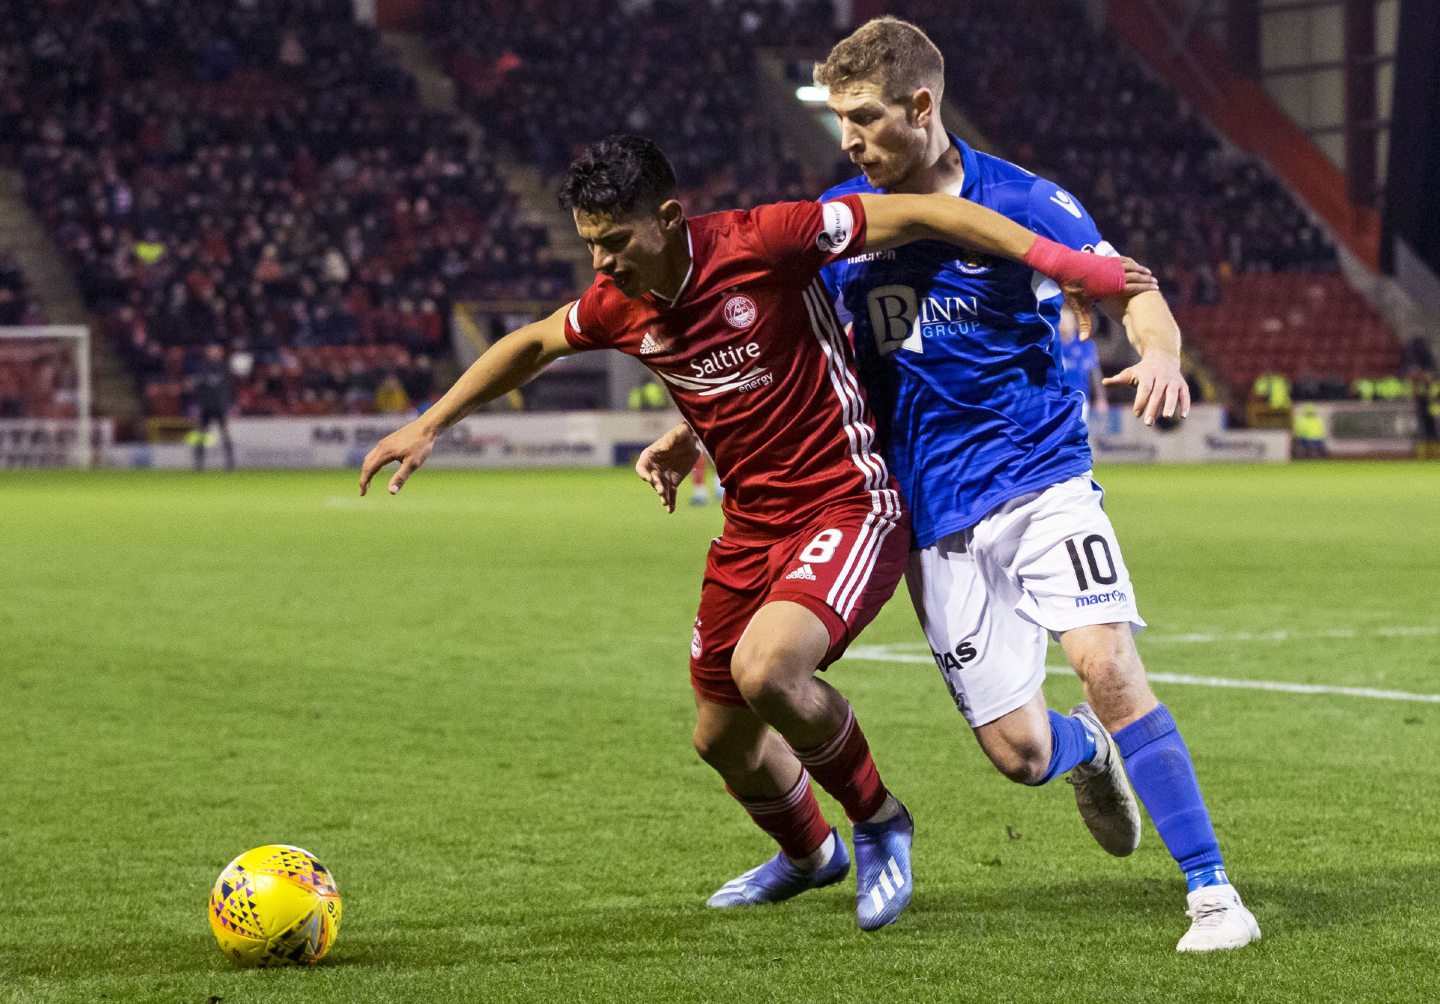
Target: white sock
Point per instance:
(887, 811)
(818, 858)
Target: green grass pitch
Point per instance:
(470, 701)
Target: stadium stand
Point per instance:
(257, 174)
(682, 72)
(17, 306)
(1253, 279)
(261, 174)
(1071, 104)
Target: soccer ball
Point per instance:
(275, 906)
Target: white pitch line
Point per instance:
(1213, 638)
(885, 653)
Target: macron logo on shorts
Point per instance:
(1113, 596)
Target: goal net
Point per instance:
(45, 397)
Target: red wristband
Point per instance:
(1099, 275)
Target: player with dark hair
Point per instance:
(729, 310)
(960, 357)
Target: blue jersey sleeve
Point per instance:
(1058, 215)
(830, 275)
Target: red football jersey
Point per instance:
(757, 361)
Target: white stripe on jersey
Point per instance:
(884, 525)
(860, 433)
(885, 502)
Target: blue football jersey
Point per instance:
(1078, 360)
(961, 359)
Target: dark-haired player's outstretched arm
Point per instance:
(507, 364)
(893, 220)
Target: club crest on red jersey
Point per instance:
(740, 311)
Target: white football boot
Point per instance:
(1103, 793)
(1221, 921)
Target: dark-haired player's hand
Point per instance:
(1138, 279)
(410, 445)
(1080, 304)
(664, 463)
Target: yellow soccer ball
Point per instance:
(275, 906)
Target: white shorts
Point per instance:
(1043, 563)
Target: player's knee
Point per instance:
(719, 750)
(1023, 762)
(1020, 753)
(766, 679)
(1110, 661)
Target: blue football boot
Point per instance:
(882, 859)
(778, 879)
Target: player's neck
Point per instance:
(677, 270)
(944, 169)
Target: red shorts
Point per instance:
(843, 567)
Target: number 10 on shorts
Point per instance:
(1094, 547)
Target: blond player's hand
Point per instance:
(664, 463)
(1160, 387)
(410, 445)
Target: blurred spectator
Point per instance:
(1307, 438)
(1417, 356)
(390, 396)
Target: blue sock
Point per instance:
(1071, 744)
(1164, 779)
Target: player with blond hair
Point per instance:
(960, 356)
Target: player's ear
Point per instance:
(671, 214)
(922, 107)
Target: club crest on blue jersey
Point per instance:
(974, 264)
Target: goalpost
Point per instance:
(45, 396)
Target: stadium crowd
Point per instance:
(1065, 104)
(257, 174)
(683, 72)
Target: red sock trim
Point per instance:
(794, 820)
(844, 767)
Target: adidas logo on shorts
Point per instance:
(803, 572)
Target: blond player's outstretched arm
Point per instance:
(1160, 387)
(896, 219)
(501, 368)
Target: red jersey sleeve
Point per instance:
(585, 326)
(804, 237)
